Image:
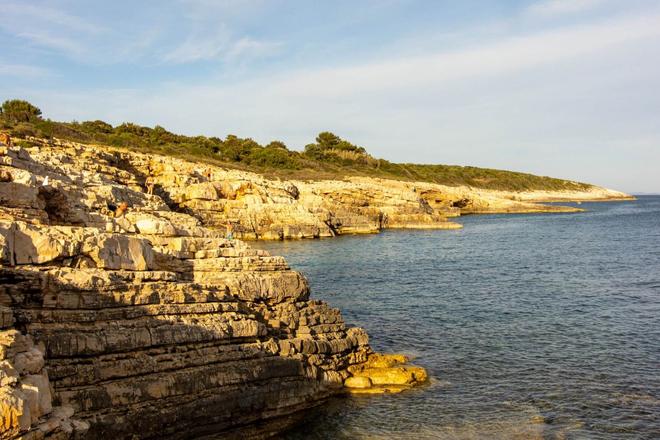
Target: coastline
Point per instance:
(143, 321)
(157, 288)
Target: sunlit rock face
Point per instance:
(149, 322)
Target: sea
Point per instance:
(533, 326)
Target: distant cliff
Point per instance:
(261, 208)
(329, 157)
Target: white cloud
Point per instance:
(247, 48)
(23, 70)
(219, 44)
(507, 56)
(200, 46)
(547, 102)
(553, 8)
(47, 27)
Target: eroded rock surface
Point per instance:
(257, 207)
(150, 324)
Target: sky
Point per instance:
(566, 88)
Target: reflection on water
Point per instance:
(534, 326)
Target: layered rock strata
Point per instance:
(261, 208)
(257, 207)
(148, 325)
(26, 406)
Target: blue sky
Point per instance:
(567, 88)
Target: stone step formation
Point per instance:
(149, 323)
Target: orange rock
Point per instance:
(384, 373)
(5, 139)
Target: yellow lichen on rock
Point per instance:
(384, 373)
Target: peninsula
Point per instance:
(126, 310)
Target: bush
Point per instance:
(272, 157)
(95, 127)
(23, 130)
(329, 157)
(17, 110)
(331, 147)
(277, 144)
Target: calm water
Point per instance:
(533, 326)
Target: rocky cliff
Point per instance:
(140, 321)
(262, 208)
(125, 312)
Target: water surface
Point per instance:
(533, 326)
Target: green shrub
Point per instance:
(17, 110)
(329, 157)
(272, 158)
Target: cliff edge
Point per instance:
(260, 208)
(123, 316)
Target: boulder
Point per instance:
(150, 224)
(19, 195)
(29, 362)
(28, 244)
(201, 191)
(116, 251)
(357, 382)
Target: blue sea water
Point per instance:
(532, 326)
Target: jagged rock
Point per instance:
(152, 323)
(14, 413)
(25, 393)
(19, 195)
(384, 373)
(149, 224)
(31, 244)
(201, 191)
(114, 251)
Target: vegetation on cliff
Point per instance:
(330, 157)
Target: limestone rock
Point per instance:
(152, 323)
(201, 191)
(14, 413)
(383, 373)
(115, 251)
(37, 392)
(357, 382)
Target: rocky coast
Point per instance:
(125, 312)
(147, 323)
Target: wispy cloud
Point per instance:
(219, 45)
(200, 46)
(247, 47)
(525, 91)
(47, 27)
(211, 38)
(23, 71)
(506, 56)
(553, 8)
(21, 14)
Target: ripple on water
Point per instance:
(537, 326)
